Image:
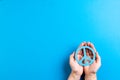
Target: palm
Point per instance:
(91, 69)
(96, 64)
(77, 68)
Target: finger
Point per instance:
(72, 57)
(91, 45)
(91, 54)
(88, 43)
(80, 52)
(82, 44)
(98, 59)
(79, 57)
(88, 51)
(85, 44)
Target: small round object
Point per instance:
(85, 58)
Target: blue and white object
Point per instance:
(84, 60)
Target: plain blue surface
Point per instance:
(37, 37)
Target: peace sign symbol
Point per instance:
(86, 60)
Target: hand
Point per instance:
(77, 70)
(90, 71)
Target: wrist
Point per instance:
(90, 76)
(74, 76)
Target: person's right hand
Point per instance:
(77, 70)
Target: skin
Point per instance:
(77, 70)
(90, 71)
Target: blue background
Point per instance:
(37, 37)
